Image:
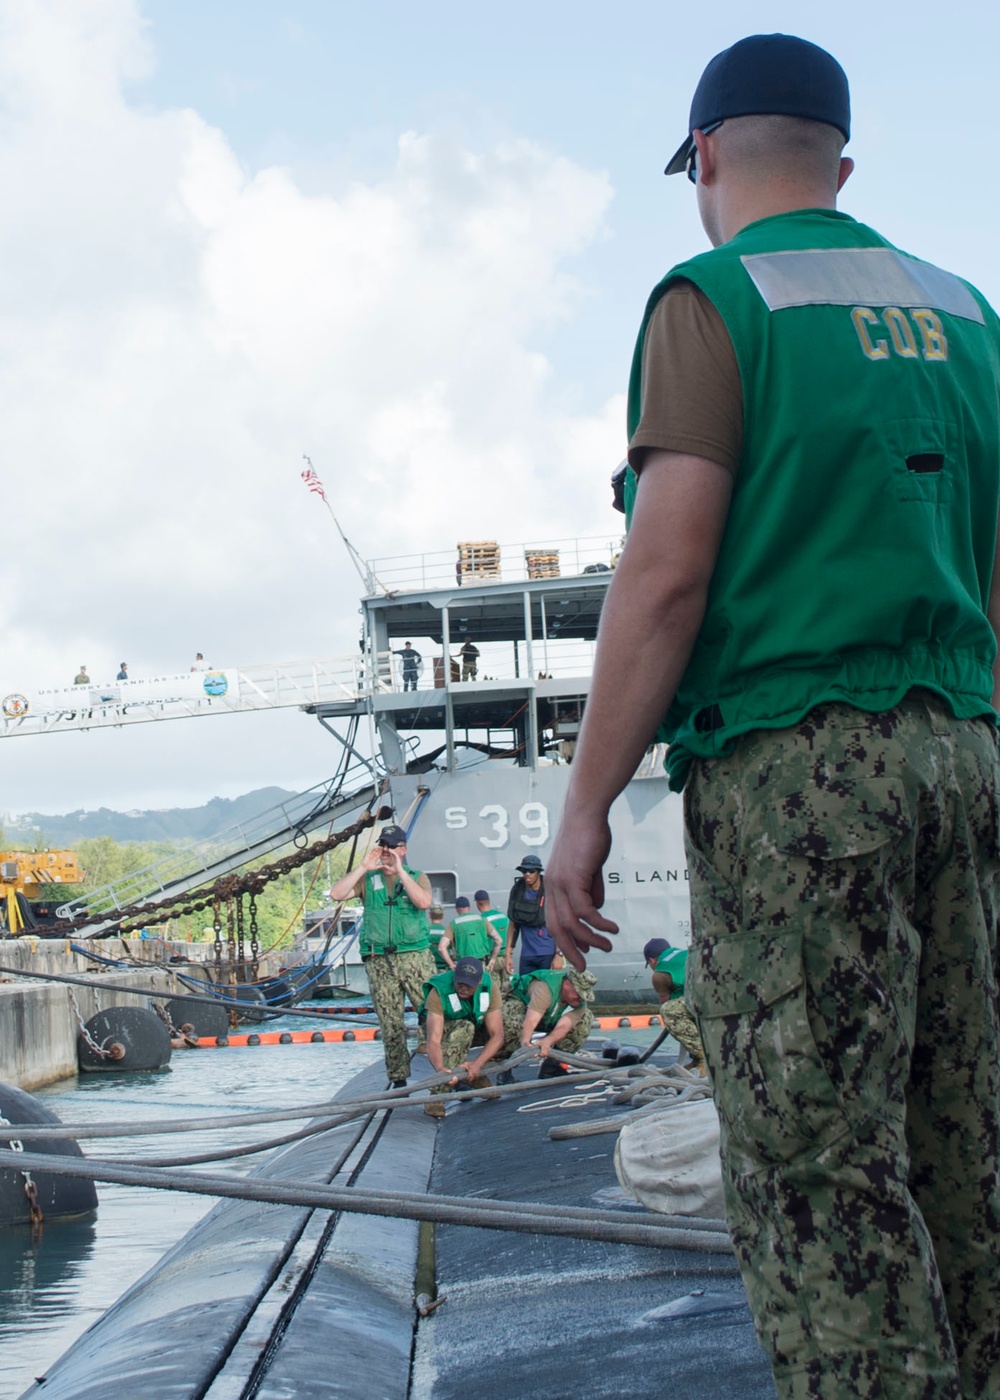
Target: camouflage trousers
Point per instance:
(514, 1010)
(845, 891)
(682, 1026)
(391, 977)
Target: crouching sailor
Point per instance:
(455, 1005)
(668, 965)
(549, 1001)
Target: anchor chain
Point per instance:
(254, 941)
(30, 1185)
(105, 1054)
(241, 955)
(145, 914)
(217, 930)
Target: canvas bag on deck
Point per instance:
(669, 1160)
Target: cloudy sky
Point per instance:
(413, 242)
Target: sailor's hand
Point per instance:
(543, 1048)
(394, 864)
(373, 859)
(574, 887)
(469, 1069)
(508, 964)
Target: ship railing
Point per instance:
(551, 659)
(202, 862)
(485, 561)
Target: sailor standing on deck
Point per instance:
(395, 939)
(453, 1007)
(470, 936)
(809, 604)
(526, 916)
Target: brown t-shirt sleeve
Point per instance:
(539, 998)
(692, 394)
(494, 996)
(434, 1002)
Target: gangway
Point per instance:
(270, 686)
(176, 874)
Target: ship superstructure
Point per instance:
(477, 747)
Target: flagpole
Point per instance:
(368, 578)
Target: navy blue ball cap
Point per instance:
(765, 75)
(392, 836)
(654, 948)
(462, 902)
(468, 972)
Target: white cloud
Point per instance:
(175, 331)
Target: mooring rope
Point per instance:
(401, 1205)
(255, 1009)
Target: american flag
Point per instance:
(312, 481)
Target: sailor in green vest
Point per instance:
(436, 931)
(453, 1007)
(808, 606)
(501, 923)
(394, 940)
(668, 965)
(554, 1002)
(470, 936)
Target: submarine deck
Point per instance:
(279, 1301)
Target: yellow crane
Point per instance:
(32, 874)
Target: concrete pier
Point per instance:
(40, 1021)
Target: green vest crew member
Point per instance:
(492, 916)
(668, 966)
(809, 603)
(553, 1002)
(469, 936)
(394, 940)
(436, 931)
(453, 1006)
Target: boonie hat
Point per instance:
(584, 982)
(468, 972)
(462, 903)
(392, 836)
(436, 911)
(530, 863)
(654, 948)
(763, 75)
(481, 895)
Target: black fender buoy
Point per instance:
(349, 1035)
(317, 1037)
(131, 1037)
(208, 1021)
(284, 1038)
(253, 1039)
(55, 1196)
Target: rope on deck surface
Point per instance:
(512, 1216)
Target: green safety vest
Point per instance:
(454, 1007)
(436, 932)
(470, 937)
(500, 922)
(520, 987)
(392, 923)
(674, 962)
(858, 550)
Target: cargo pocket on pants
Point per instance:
(774, 1095)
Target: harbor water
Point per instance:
(54, 1286)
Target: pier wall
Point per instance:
(38, 1020)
